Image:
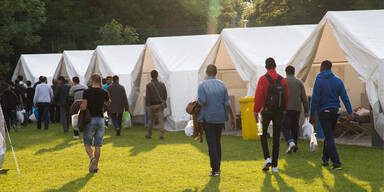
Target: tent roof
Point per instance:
(78, 59)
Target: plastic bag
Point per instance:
(189, 129)
(35, 111)
(32, 117)
(313, 143)
(20, 116)
(307, 129)
(127, 119)
(75, 121)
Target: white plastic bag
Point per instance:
(189, 129)
(75, 121)
(32, 117)
(20, 116)
(307, 129)
(313, 143)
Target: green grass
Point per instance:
(52, 161)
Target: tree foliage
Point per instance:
(114, 33)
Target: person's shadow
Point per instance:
(65, 144)
(267, 186)
(75, 185)
(212, 185)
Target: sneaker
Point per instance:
(148, 137)
(275, 170)
(336, 167)
(96, 170)
(76, 137)
(214, 174)
(267, 164)
(118, 132)
(291, 148)
(325, 164)
(162, 137)
(296, 149)
(92, 165)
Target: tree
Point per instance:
(114, 33)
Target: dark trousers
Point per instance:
(213, 135)
(9, 117)
(276, 119)
(43, 109)
(54, 113)
(64, 116)
(291, 126)
(328, 120)
(117, 119)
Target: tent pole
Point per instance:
(13, 151)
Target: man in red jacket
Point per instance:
(271, 100)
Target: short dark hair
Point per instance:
(109, 77)
(29, 83)
(154, 74)
(20, 78)
(43, 79)
(104, 81)
(290, 70)
(326, 65)
(61, 78)
(76, 80)
(115, 78)
(270, 63)
(211, 70)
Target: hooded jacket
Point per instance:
(327, 91)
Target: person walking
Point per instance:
(9, 103)
(61, 100)
(297, 98)
(155, 102)
(325, 103)
(94, 100)
(29, 96)
(215, 106)
(42, 99)
(271, 98)
(76, 92)
(119, 103)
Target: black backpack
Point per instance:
(276, 97)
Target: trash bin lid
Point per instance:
(246, 99)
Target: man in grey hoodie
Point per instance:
(297, 98)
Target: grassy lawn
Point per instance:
(52, 161)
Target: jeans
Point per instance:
(291, 126)
(94, 132)
(156, 111)
(64, 116)
(328, 119)
(117, 119)
(213, 136)
(276, 118)
(43, 109)
(9, 117)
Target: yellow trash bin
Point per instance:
(248, 122)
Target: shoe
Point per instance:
(76, 137)
(336, 167)
(96, 170)
(118, 132)
(92, 165)
(275, 170)
(148, 137)
(214, 174)
(325, 164)
(162, 137)
(291, 148)
(296, 149)
(267, 164)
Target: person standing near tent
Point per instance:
(94, 99)
(271, 98)
(297, 97)
(29, 96)
(41, 100)
(108, 82)
(119, 103)
(155, 102)
(325, 103)
(61, 100)
(9, 102)
(215, 106)
(76, 92)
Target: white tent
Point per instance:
(122, 60)
(359, 34)
(248, 49)
(31, 66)
(74, 64)
(3, 145)
(181, 62)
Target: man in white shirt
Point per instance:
(42, 99)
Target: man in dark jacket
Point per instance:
(61, 99)
(325, 103)
(9, 102)
(155, 102)
(119, 103)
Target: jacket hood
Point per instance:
(327, 74)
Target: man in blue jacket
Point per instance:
(327, 91)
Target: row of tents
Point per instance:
(352, 40)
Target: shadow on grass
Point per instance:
(75, 185)
(65, 144)
(213, 185)
(267, 185)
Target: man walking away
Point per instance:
(297, 97)
(76, 92)
(61, 100)
(325, 103)
(271, 100)
(215, 105)
(155, 101)
(29, 96)
(42, 99)
(94, 99)
(9, 102)
(119, 103)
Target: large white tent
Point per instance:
(32, 66)
(122, 60)
(181, 62)
(359, 36)
(74, 63)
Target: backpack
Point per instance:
(276, 95)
